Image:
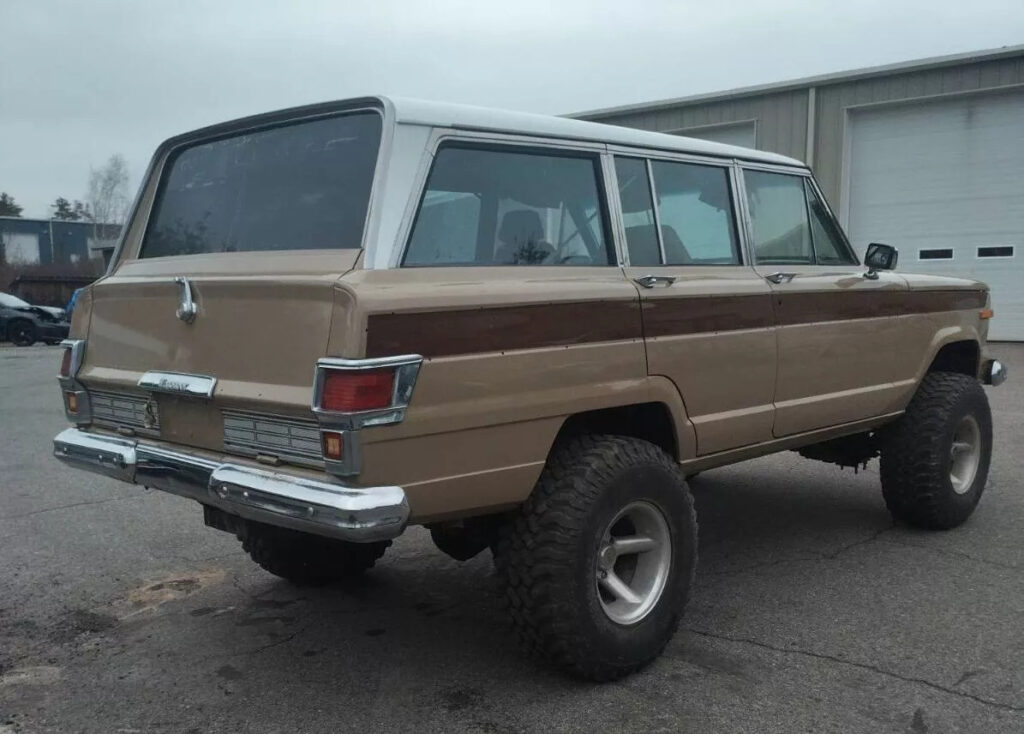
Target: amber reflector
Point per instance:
(65, 363)
(986, 313)
(357, 390)
(332, 445)
(72, 402)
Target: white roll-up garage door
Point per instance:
(943, 181)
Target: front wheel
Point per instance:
(935, 459)
(22, 333)
(597, 565)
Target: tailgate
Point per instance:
(257, 336)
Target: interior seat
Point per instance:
(522, 239)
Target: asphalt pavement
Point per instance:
(812, 612)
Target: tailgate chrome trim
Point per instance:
(179, 383)
(358, 514)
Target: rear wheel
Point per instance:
(305, 559)
(22, 333)
(935, 459)
(597, 565)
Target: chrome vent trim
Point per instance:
(293, 440)
(124, 409)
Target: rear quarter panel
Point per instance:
(509, 353)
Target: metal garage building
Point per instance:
(926, 155)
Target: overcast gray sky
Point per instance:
(82, 80)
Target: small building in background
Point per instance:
(56, 241)
(927, 156)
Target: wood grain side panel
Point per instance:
(443, 333)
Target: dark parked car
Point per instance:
(25, 324)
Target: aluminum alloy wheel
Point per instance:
(633, 562)
(965, 454)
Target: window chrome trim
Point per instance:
(179, 383)
(614, 201)
(739, 206)
(656, 211)
(406, 366)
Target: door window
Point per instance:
(637, 211)
(693, 223)
(490, 206)
(778, 218)
(695, 213)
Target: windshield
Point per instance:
(295, 187)
(6, 299)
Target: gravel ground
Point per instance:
(120, 612)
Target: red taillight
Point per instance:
(65, 363)
(357, 390)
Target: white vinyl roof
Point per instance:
(443, 114)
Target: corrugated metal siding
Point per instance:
(781, 119)
(833, 101)
(782, 116)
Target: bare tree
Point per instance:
(107, 197)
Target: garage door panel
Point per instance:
(945, 174)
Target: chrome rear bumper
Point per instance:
(346, 513)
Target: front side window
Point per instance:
(829, 244)
(778, 217)
(695, 212)
(489, 206)
(294, 187)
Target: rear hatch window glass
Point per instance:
(304, 186)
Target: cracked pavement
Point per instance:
(120, 612)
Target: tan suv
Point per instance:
(523, 332)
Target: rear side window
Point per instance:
(695, 212)
(295, 187)
(778, 218)
(488, 206)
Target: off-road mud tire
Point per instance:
(546, 556)
(305, 559)
(915, 464)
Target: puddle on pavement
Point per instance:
(157, 592)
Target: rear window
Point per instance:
(304, 186)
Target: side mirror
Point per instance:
(880, 257)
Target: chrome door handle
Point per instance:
(780, 278)
(187, 307)
(649, 281)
